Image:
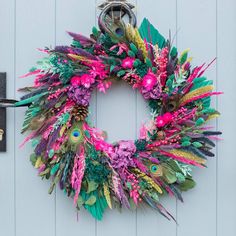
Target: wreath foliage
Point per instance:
(74, 154)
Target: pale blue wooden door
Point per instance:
(208, 28)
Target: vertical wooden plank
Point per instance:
(197, 30)
(35, 209)
(7, 165)
(226, 38)
(116, 114)
(76, 16)
(162, 14)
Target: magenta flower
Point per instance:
(161, 121)
(87, 80)
(128, 63)
(149, 81)
(75, 81)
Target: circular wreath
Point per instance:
(127, 173)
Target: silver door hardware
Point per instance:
(116, 10)
(1, 134)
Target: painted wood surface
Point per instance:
(208, 28)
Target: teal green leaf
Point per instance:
(137, 62)
(183, 57)
(133, 48)
(98, 208)
(173, 52)
(54, 169)
(30, 100)
(185, 144)
(87, 134)
(51, 153)
(95, 31)
(148, 62)
(154, 69)
(199, 121)
(131, 53)
(180, 177)
(121, 73)
(197, 144)
(185, 139)
(112, 68)
(151, 34)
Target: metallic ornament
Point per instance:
(116, 10)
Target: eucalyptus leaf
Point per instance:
(92, 186)
(91, 201)
(80, 202)
(188, 184)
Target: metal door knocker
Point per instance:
(117, 11)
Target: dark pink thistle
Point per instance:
(128, 63)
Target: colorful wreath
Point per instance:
(75, 155)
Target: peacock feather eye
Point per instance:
(76, 136)
(155, 170)
(171, 106)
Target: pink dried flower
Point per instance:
(149, 81)
(75, 81)
(128, 63)
(103, 86)
(87, 80)
(161, 121)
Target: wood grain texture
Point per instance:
(226, 53)
(35, 208)
(196, 23)
(7, 160)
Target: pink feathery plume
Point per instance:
(200, 97)
(140, 165)
(116, 184)
(78, 173)
(27, 139)
(30, 73)
(201, 72)
(195, 73)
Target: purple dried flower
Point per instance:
(80, 95)
(123, 155)
(155, 93)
